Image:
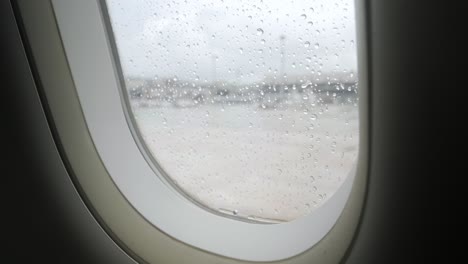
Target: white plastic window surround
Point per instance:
(93, 69)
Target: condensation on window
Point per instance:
(249, 107)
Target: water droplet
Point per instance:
(313, 117)
(304, 16)
(316, 46)
(259, 31)
(307, 44)
(241, 50)
(235, 212)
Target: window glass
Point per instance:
(248, 107)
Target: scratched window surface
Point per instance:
(248, 107)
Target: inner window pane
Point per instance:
(249, 107)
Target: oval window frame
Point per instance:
(85, 77)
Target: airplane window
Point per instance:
(248, 107)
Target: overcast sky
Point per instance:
(233, 40)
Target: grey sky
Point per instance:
(182, 38)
